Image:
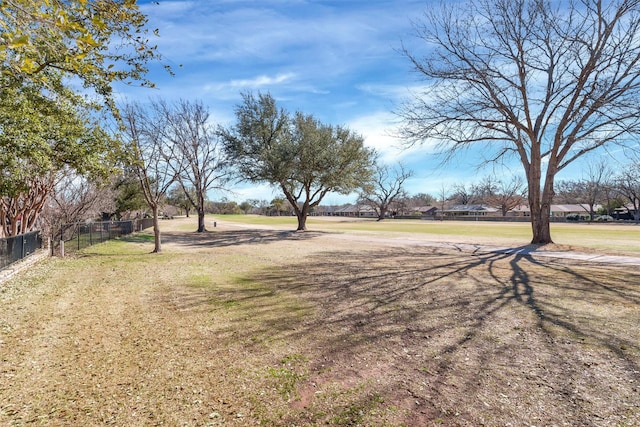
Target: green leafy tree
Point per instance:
(46, 123)
(128, 195)
(303, 157)
(97, 41)
(246, 206)
(39, 137)
(278, 204)
(178, 197)
(544, 81)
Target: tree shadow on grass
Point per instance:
(468, 339)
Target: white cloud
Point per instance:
(379, 130)
(261, 81)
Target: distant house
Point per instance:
(561, 211)
(324, 210)
(557, 211)
(519, 211)
(471, 210)
(358, 211)
(423, 211)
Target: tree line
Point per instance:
(543, 82)
(49, 129)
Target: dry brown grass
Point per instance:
(268, 327)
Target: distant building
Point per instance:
(423, 211)
(357, 211)
(471, 210)
(557, 211)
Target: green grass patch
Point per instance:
(356, 413)
(255, 219)
(291, 371)
(199, 280)
(143, 237)
(619, 236)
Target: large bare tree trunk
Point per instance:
(540, 215)
(157, 248)
(200, 208)
(540, 201)
(382, 212)
(201, 224)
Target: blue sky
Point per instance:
(336, 59)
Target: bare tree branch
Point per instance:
(526, 77)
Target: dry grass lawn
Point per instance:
(243, 326)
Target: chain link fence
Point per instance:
(77, 236)
(18, 247)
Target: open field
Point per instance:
(608, 237)
(256, 325)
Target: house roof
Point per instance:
(423, 209)
(355, 209)
(471, 208)
(566, 208)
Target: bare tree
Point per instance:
(424, 199)
(485, 190)
(443, 197)
(73, 199)
(628, 185)
(589, 191)
(610, 196)
(154, 161)
(502, 194)
(463, 195)
(385, 188)
(76, 198)
(547, 82)
(203, 165)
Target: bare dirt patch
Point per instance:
(271, 327)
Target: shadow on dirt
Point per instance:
(469, 340)
(214, 239)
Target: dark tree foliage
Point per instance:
(306, 159)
